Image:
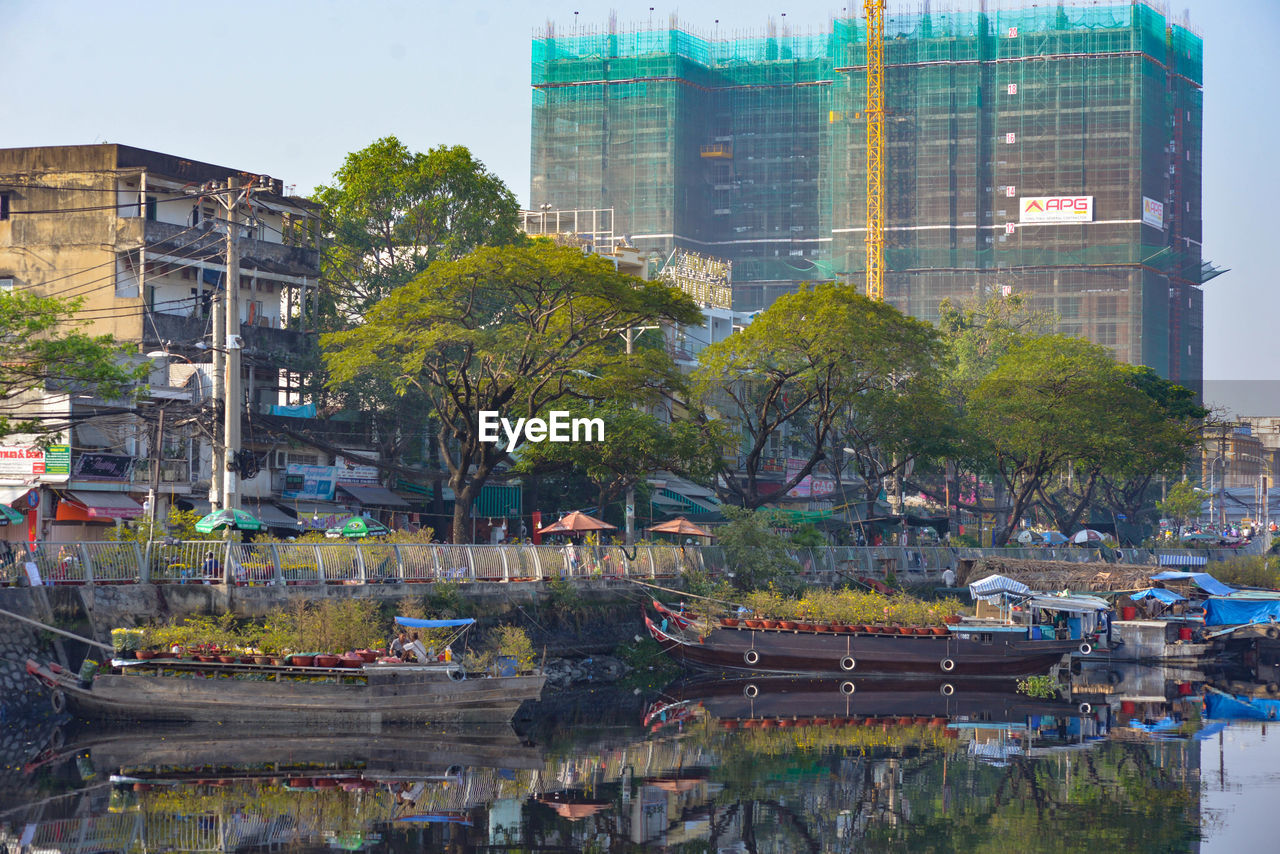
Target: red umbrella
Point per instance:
(679, 525)
(577, 522)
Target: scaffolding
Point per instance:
(753, 148)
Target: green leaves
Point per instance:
(41, 349)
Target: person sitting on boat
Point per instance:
(398, 644)
(416, 648)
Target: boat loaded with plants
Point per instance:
(844, 633)
(205, 670)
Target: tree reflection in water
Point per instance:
(695, 784)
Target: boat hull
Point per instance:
(742, 650)
(391, 694)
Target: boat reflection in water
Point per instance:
(741, 764)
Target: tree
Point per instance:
(1181, 504)
(1050, 402)
(635, 444)
(391, 212)
(978, 332)
(41, 350)
(789, 375)
(755, 554)
(510, 330)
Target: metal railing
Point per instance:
(212, 562)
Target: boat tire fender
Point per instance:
(1114, 677)
(457, 674)
(848, 663)
(1085, 708)
(1273, 688)
(58, 702)
(947, 665)
(751, 657)
(751, 691)
(947, 689)
(847, 688)
(1272, 632)
(1085, 648)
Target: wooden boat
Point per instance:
(997, 651)
(372, 694)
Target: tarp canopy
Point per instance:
(1235, 612)
(1166, 596)
(373, 496)
(414, 623)
(1203, 580)
(993, 586)
(1182, 560)
(1226, 707)
(1072, 604)
(106, 505)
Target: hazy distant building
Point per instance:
(752, 148)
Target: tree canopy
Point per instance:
(42, 349)
(511, 330)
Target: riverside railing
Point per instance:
(205, 562)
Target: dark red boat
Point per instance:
(1004, 652)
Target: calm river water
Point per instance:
(712, 766)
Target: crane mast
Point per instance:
(875, 148)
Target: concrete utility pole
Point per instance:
(232, 401)
(217, 497)
(631, 490)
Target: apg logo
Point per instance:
(1056, 209)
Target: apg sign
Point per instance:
(1055, 209)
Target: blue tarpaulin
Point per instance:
(1224, 706)
(1203, 580)
(1235, 612)
(1166, 596)
(432, 624)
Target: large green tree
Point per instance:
(1054, 402)
(391, 212)
(806, 360)
(42, 349)
(513, 330)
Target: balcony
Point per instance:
(209, 245)
(158, 328)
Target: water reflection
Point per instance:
(772, 765)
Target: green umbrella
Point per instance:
(237, 520)
(359, 527)
(9, 516)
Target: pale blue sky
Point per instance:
(289, 87)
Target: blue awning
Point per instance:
(1166, 596)
(1203, 580)
(413, 623)
(1238, 612)
(1182, 560)
(991, 588)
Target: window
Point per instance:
(6, 283)
(4, 206)
(151, 208)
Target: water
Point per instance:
(704, 766)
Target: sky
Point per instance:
(290, 87)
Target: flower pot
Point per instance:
(367, 655)
(352, 659)
(228, 659)
(938, 630)
(806, 627)
(206, 658)
(754, 624)
(302, 660)
(788, 625)
(728, 622)
(769, 624)
(327, 661)
(146, 654)
(952, 619)
(921, 630)
(262, 659)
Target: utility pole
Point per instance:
(630, 536)
(231, 395)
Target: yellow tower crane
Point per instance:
(875, 148)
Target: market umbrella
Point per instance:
(229, 517)
(359, 527)
(679, 525)
(577, 522)
(1029, 538)
(1053, 538)
(9, 516)
(1087, 536)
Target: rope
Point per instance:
(56, 630)
(686, 595)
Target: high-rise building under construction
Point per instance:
(1052, 150)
